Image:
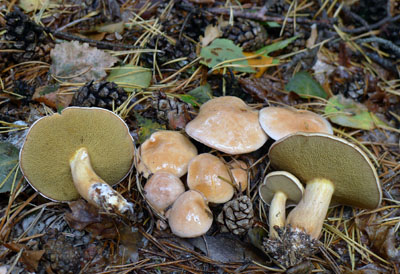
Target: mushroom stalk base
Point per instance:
(277, 213)
(94, 189)
(310, 213)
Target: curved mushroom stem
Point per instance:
(310, 213)
(94, 189)
(277, 213)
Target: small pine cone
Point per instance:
(237, 215)
(24, 35)
(103, 94)
(247, 34)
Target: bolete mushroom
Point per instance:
(190, 215)
(228, 125)
(162, 189)
(279, 122)
(209, 175)
(279, 190)
(333, 170)
(166, 150)
(75, 153)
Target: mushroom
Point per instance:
(209, 175)
(333, 170)
(279, 122)
(162, 189)
(228, 125)
(279, 189)
(239, 173)
(190, 216)
(63, 153)
(166, 150)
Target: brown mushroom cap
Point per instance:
(227, 124)
(204, 175)
(310, 156)
(166, 150)
(162, 189)
(239, 173)
(52, 140)
(190, 216)
(279, 122)
(281, 181)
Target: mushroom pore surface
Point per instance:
(52, 140)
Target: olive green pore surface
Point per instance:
(52, 140)
(314, 155)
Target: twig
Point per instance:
(373, 26)
(382, 41)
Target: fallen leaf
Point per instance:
(111, 28)
(146, 127)
(276, 46)
(313, 37)
(31, 5)
(130, 77)
(79, 63)
(197, 96)
(210, 34)
(346, 112)
(130, 242)
(303, 84)
(8, 166)
(30, 258)
(259, 62)
(53, 96)
(220, 53)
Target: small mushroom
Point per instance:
(279, 122)
(162, 189)
(209, 175)
(75, 153)
(228, 125)
(279, 189)
(333, 170)
(166, 150)
(190, 215)
(239, 173)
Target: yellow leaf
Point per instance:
(258, 62)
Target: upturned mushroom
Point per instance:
(334, 171)
(190, 215)
(166, 150)
(279, 190)
(228, 125)
(209, 175)
(279, 122)
(75, 153)
(162, 189)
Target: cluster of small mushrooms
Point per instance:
(82, 151)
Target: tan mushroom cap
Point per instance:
(166, 150)
(239, 173)
(281, 181)
(228, 125)
(52, 140)
(162, 189)
(310, 156)
(279, 122)
(204, 175)
(190, 216)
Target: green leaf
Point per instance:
(8, 166)
(346, 112)
(147, 127)
(197, 96)
(276, 46)
(222, 50)
(49, 89)
(130, 77)
(303, 84)
(272, 24)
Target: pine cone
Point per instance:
(237, 215)
(101, 94)
(24, 34)
(247, 34)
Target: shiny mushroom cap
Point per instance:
(190, 216)
(162, 189)
(239, 173)
(53, 140)
(209, 175)
(279, 122)
(166, 150)
(228, 125)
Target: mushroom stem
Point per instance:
(277, 213)
(94, 189)
(310, 213)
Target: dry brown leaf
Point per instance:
(56, 99)
(211, 32)
(30, 258)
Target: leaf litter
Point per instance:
(355, 82)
